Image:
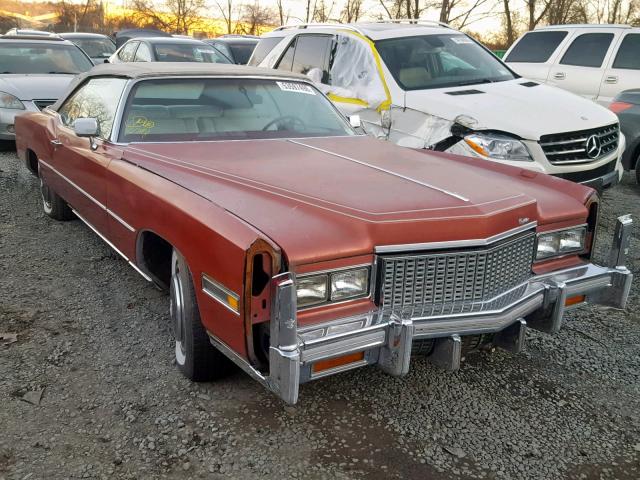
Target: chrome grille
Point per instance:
(42, 104)
(441, 282)
(571, 147)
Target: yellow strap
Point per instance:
(354, 101)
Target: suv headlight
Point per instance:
(334, 286)
(561, 242)
(9, 101)
(498, 147)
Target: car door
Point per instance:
(623, 72)
(80, 161)
(533, 55)
(580, 67)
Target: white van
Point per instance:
(425, 85)
(595, 61)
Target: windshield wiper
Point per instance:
(63, 73)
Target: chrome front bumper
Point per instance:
(386, 338)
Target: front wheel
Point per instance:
(196, 358)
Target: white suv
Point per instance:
(595, 61)
(430, 86)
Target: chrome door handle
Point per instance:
(56, 142)
(559, 76)
(611, 79)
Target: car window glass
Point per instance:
(96, 47)
(440, 60)
(262, 49)
(286, 62)
(588, 50)
(98, 99)
(128, 51)
(143, 54)
(536, 47)
(223, 48)
(228, 109)
(629, 53)
(32, 57)
(312, 52)
(242, 52)
(188, 52)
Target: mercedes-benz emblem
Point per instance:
(593, 146)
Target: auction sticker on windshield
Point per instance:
(296, 87)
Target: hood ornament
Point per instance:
(523, 220)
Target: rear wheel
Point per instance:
(53, 204)
(196, 358)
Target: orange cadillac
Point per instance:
(297, 249)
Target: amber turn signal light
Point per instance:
(323, 365)
(574, 300)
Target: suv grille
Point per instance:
(454, 281)
(41, 104)
(580, 147)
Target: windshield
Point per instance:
(22, 58)
(437, 61)
(188, 52)
(227, 109)
(96, 47)
(242, 51)
(222, 47)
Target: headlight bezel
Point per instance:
(17, 103)
(478, 142)
(327, 276)
(556, 235)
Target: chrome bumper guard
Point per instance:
(386, 338)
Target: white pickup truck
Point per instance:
(426, 85)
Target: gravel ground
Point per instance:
(89, 389)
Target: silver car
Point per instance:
(34, 72)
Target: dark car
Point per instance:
(167, 49)
(237, 48)
(627, 106)
(124, 36)
(98, 47)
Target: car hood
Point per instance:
(328, 198)
(526, 111)
(35, 86)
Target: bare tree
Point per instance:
(182, 14)
(509, 22)
(283, 15)
(351, 11)
(255, 17)
(536, 10)
(323, 10)
(227, 10)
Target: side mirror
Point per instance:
(355, 121)
(85, 127)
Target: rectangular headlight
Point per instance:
(349, 284)
(312, 290)
(553, 244)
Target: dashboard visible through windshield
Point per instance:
(438, 61)
(167, 110)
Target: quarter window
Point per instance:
(588, 50)
(95, 99)
(143, 54)
(536, 47)
(629, 53)
(128, 51)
